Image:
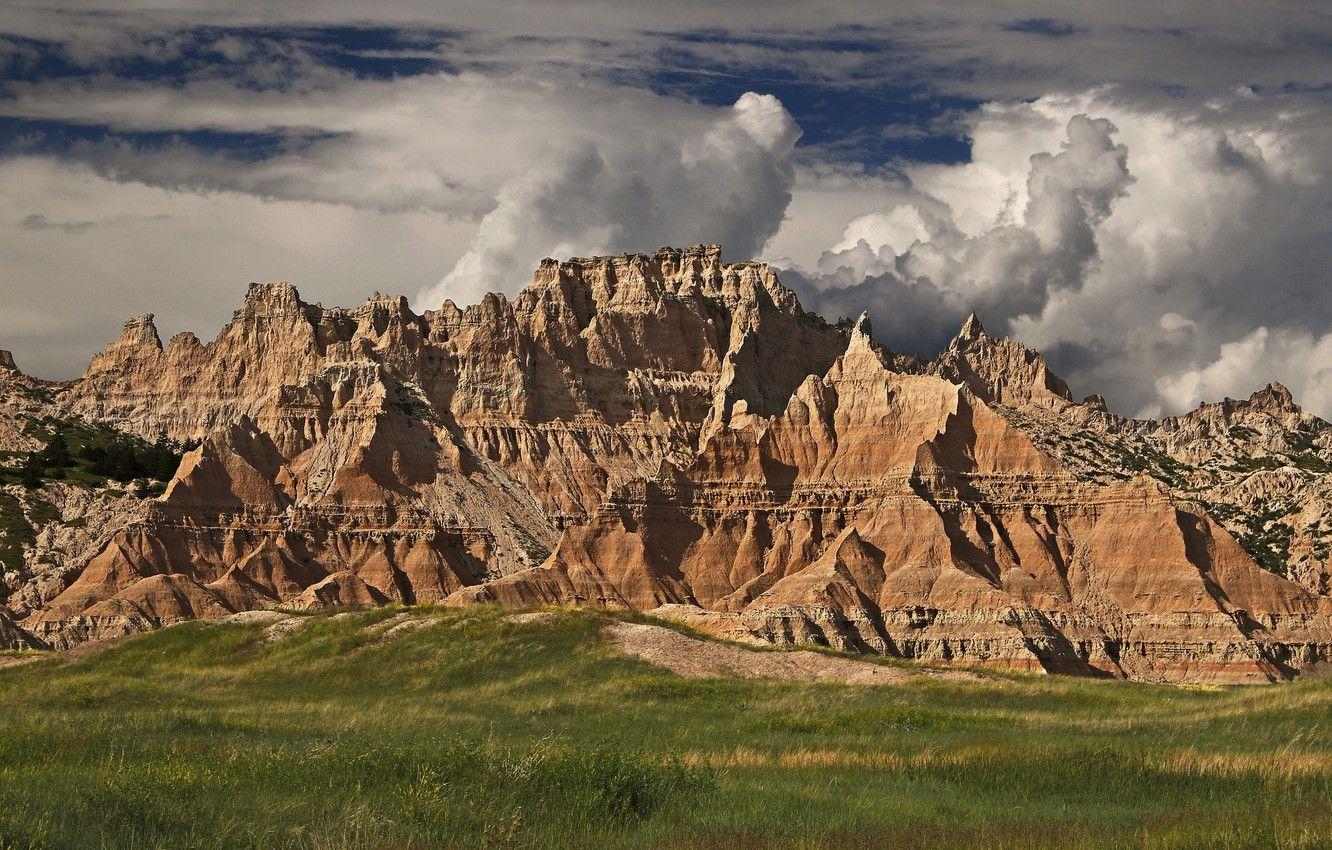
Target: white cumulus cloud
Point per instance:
(1128, 239)
(1304, 361)
(718, 176)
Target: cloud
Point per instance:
(557, 166)
(997, 50)
(37, 221)
(339, 146)
(1148, 243)
(184, 256)
(725, 180)
(916, 264)
(437, 142)
(399, 183)
(1245, 364)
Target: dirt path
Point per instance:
(694, 658)
(77, 651)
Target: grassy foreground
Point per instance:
(477, 731)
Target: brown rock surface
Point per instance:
(22, 398)
(670, 432)
(899, 513)
(13, 637)
(1261, 466)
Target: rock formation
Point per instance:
(670, 432)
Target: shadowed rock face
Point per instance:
(899, 513)
(673, 433)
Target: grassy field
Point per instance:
(478, 731)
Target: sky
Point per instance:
(1139, 190)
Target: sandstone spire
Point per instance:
(1274, 395)
(971, 331)
(1001, 371)
(140, 331)
(671, 429)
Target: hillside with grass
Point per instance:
(462, 728)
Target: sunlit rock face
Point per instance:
(671, 430)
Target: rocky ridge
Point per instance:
(671, 432)
(1262, 466)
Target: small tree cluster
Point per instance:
(124, 458)
(100, 453)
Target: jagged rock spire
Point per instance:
(1275, 392)
(972, 329)
(648, 430)
(7, 361)
(862, 327)
(140, 331)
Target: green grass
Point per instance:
(476, 731)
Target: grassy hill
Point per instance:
(475, 730)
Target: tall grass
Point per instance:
(478, 731)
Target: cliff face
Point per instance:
(900, 513)
(1261, 467)
(673, 433)
(597, 372)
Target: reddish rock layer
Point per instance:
(898, 513)
(669, 430)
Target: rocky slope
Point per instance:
(1262, 467)
(670, 432)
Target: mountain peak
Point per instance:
(7, 361)
(862, 327)
(140, 331)
(1000, 369)
(277, 296)
(972, 329)
(1275, 394)
(659, 428)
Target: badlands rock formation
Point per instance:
(674, 433)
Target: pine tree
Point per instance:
(30, 474)
(56, 454)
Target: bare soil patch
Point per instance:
(25, 658)
(531, 617)
(695, 658)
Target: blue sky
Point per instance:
(860, 118)
(920, 160)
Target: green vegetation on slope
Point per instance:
(15, 532)
(477, 731)
(90, 455)
(1260, 532)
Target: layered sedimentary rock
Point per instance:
(351, 482)
(899, 513)
(1262, 467)
(670, 432)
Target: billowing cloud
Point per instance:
(1146, 243)
(915, 263)
(1144, 190)
(1304, 361)
(548, 167)
(724, 179)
